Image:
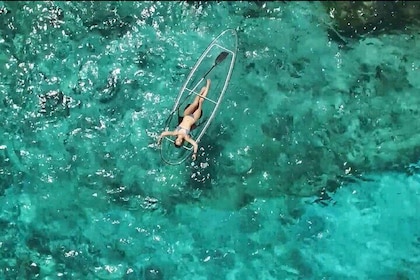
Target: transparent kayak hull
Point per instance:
(215, 63)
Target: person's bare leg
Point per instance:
(198, 100)
(192, 107)
(204, 91)
(197, 112)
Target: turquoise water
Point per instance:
(309, 171)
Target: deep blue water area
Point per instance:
(310, 170)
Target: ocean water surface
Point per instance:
(310, 170)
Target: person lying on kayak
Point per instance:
(191, 114)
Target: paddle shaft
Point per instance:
(205, 75)
(218, 60)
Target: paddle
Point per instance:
(218, 60)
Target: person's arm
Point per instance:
(165, 133)
(195, 145)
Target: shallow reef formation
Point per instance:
(326, 120)
(356, 18)
(83, 93)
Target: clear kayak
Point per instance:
(215, 63)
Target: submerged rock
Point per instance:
(153, 272)
(354, 18)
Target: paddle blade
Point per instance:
(221, 57)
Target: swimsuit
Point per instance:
(187, 131)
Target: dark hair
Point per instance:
(178, 146)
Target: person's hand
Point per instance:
(194, 156)
(159, 139)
